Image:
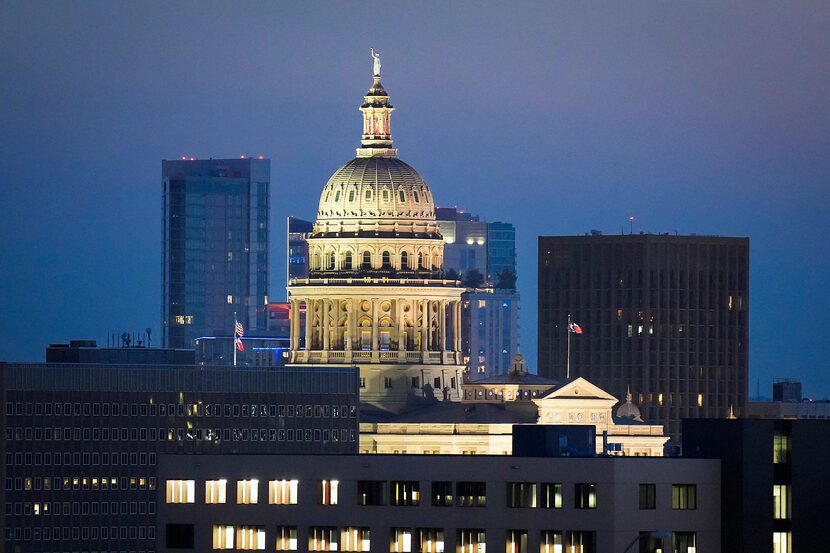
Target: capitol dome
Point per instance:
(629, 411)
(377, 187)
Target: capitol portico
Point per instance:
(375, 296)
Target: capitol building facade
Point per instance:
(375, 296)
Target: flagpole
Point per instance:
(234, 338)
(568, 330)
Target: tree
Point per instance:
(506, 279)
(473, 279)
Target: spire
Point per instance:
(628, 396)
(731, 413)
(377, 113)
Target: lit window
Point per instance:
(684, 542)
(247, 492)
(582, 542)
(222, 536)
(782, 502)
(404, 494)
(328, 491)
(684, 496)
(471, 494)
(230, 298)
(181, 491)
(400, 540)
(322, 538)
(471, 540)
(282, 492)
(431, 540)
(585, 496)
(551, 495)
(550, 542)
(216, 491)
(782, 542)
(286, 538)
(355, 539)
(660, 399)
(516, 541)
(250, 538)
(521, 494)
(700, 400)
(780, 449)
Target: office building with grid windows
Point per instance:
(666, 316)
(81, 442)
(423, 504)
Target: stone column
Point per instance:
(457, 331)
(309, 316)
(424, 323)
(399, 304)
(347, 340)
(294, 316)
(442, 327)
(375, 325)
(324, 327)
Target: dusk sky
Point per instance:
(705, 117)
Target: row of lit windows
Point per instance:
(178, 409)
(82, 533)
(47, 483)
(416, 540)
(47, 458)
(547, 495)
(177, 434)
(280, 492)
(82, 508)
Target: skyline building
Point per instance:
(667, 316)
(81, 441)
(490, 308)
(375, 296)
(297, 247)
(214, 247)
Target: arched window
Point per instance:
(347, 261)
(368, 196)
(421, 261)
(351, 195)
(328, 195)
(402, 195)
(404, 260)
(386, 260)
(417, 198)
(331, 261)
(367, 260)
(337, 196)
(385, 195)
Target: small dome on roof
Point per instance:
(628, 410)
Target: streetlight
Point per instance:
(654, 535)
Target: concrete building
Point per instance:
(88, 352)
(375, 296)
(81, 441)
(424, 504)
(259, 351)
(214, 247)
(774, 476)
(667, 316)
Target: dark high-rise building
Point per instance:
(81, 441)
(214, 247)
(774, 481)
(667, 316)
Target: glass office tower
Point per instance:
(214, 247)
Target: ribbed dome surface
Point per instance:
(376, 188)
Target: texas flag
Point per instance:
(575, 328)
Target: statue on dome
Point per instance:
(376, 59)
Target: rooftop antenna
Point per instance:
(631, 224)
(149, 331)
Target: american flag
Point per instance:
(239, 331)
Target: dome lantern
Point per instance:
(377, 114)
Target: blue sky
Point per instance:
(701, 117)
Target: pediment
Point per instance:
(576, 389)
